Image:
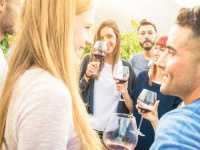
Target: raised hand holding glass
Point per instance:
(99, 52)
(145, 102)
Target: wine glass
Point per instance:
(121, 132)
(99, 52)
(145, 102)
(121, 73)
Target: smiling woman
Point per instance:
(82, 34)
(40, 96)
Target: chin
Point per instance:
(163, 88)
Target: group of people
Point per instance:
(45, 103)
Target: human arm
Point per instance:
(87, 70)
(178, 129)
(128, 87)
(45, 117)
(122, 88)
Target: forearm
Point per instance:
(154, 124)
(84, 81)
(128, 101)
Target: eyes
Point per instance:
(144, 33)
(108, 36)
(160, 48)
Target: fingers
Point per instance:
(155, 107)
(121, 87)
(92, 67)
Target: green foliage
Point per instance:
(4, 44)
(86, 50)
(129, 43)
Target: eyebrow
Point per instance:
(170, 47)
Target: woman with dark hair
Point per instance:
(100, 92)
(151, 80)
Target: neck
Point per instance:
(192, 96)
(147, 54)
(109, 59)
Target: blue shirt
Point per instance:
(166, 104)
(179, 129)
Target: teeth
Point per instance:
(164, 77)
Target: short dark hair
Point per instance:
(145, 22)
(190, 17)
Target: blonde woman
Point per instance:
(40, 106)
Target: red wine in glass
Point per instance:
(98, 56)
(99, 49)
(122, 81)
(121, 73)
(99, 52)
(145, 102)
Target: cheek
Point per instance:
(177, 67)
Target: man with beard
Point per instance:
(8, 14)
(147, 33)
(180, 128)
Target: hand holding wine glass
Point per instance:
(121, 73)
(99, 52)
(121, 132)
(145, 103)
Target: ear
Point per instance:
(2, 5)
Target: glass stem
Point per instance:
(140, 123)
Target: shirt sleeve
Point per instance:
(45, 118)
(177, 131)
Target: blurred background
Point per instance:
(161, 12)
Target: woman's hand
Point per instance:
(152, 116)
(121, 87)
(92, 67)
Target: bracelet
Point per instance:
(87, 75)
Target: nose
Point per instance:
(155, 51)
(105, 40)
(161, 62)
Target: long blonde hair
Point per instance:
(45, 39)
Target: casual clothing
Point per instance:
(40, 114)
(100, 95)
(139, 63)
(166, 104)
(3, 68)
(179, 129)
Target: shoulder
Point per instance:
(86, 58)
(143, 74)
(139, 54)
(179, 128)
(126, 63)
(37, 84)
